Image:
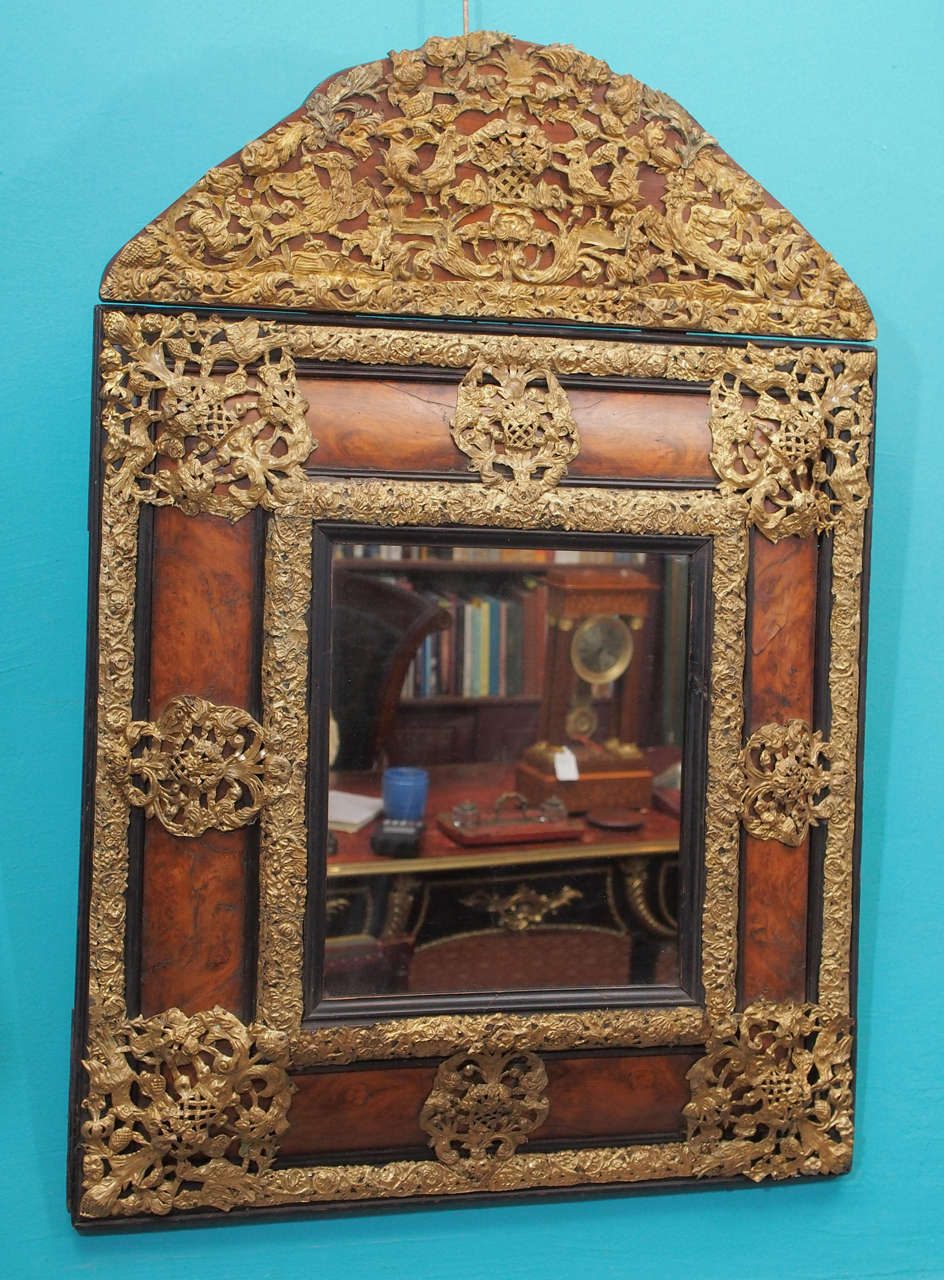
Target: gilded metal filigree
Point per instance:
(197, 766)
(723, 1141)
(787, 773)
(202, 413)
(594, 1166)
(845, 629)
(791, 432)
(522, 909)
(184, 1112)
(482, 1107)
(772, 1097)
(283, 847)
(515, 419)
(484, 176)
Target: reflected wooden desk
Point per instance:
(449, 785)
(372, 897)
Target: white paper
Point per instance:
(349, 812)
(565, 765)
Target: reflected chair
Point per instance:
(499, 960)
(377, 628)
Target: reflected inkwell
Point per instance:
(534, 692)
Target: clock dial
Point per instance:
(601, 649)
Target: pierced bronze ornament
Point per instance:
(524, 908)
(481, 175)
(482, 1107)
(184, 1113)
(517, 420)
(203, 414)
(197, 766)
(792, 434)
(772, 1097)
(787, 773)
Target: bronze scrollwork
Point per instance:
(787, 773)
(772, 1096)
(482, 1107)
(484, 176)
(197, 766)
(183, 1112)
(511, 418)
(791, 432)
(203, 414)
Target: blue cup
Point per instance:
(404, 793)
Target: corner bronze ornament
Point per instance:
(482, 1107)
(202, 414)
(481, 175)
(786, 767)
(183, 1113)
(791, 431)
(197, 766)
(772, 1097)
(514, 419)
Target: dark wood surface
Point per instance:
(196, 892)
(780, 679)
(378, 1108)
(617, 437)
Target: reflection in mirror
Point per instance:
(506, 740)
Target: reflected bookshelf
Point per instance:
(493, 646)
(473, 688)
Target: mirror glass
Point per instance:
(505, 747)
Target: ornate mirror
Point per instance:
(473, 743)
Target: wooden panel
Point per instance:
(378, 1108)
(194, 915)
(598, 1097)
(194, 904)
(781, 655)
(782, 630)
(357, 1110)
(631, 433)
(201, 615)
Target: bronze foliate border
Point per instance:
(392, 503)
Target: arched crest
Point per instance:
(483, 176)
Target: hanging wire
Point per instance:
(465, 17)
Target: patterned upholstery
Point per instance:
(498, 960)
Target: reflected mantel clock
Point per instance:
(478, 358)
(592, 618)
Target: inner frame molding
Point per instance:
(284, 853)
(169, 383)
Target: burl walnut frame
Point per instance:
(521, 194)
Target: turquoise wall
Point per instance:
(111, 110)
